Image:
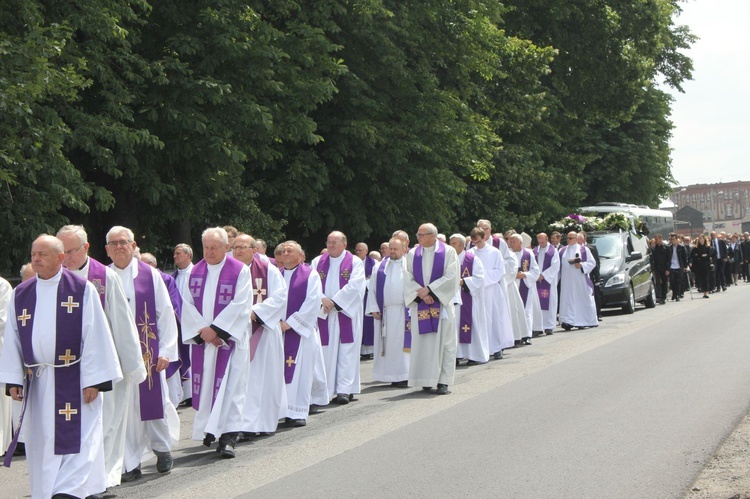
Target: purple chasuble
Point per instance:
(225, 290)
(380, 299)
(428, 316)
(524, 265)
(145, 321)
(467, 270)
(543, 288)
(98, 277)
(368, 322)
(259, 275)
(176, 300)
(68, 336)
(584, 258)
(296, 297)
(346, 331)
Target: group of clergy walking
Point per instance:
(250, 341)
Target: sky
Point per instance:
(711, 138)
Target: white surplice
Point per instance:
(181, 275)
(161, 435)
(533, 312)
(433, 355)
(226, 414)
(390, 360)
(309, 355)
(342, 359)
(6, 430)
(478, 349)
(116, 402)
(550, 275)
(577, 306)
(265, 395)
(497, 265)
(82, 474)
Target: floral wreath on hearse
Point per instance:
(613, 221)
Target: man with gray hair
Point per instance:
(340, 320)
(215, 313)
(183, 262)
(153, 424)
(125, 335)
(430, 282)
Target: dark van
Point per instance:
(625, 269)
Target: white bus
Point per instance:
(657, 221)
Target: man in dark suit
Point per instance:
(677, 263)
(746, 256)
(660, 268)
(721, 261)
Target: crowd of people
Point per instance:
(252, 341)
(711, 263)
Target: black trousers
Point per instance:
(721, 277)
(675, 282)
(661, 285)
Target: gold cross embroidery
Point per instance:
(24, 317)
(345, 274)
(259, 292)
(466, 328)
(70, 304)
(290, 361)
(68, 411)
(68, 357)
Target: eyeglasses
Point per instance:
(241, 247)
(121, 242)
(74, 251)
(572, 237)
(422, 235)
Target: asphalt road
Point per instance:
(634, 408)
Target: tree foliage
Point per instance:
(291, 119)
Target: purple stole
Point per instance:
(543, 288)
(296, 297)
(525, 263)
(346, 331)
(428, 316)
(380, 299)
(225, 290)
(98, 277)
(68, 337)
(145, 320)
(176, 300)
(259, 275)
(464, 324)
(368, 322)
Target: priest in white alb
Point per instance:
(125, 335)
(385, 303)
(152, 422)
(548, 260)
(577, 305)
(340, 319)
(471, 316)
(431, 281)
(497, 264)
(215, 313)
(265, 395)
(303, 352)
(526, 276)
(5, 422)
(57, 330)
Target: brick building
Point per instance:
(725, 206)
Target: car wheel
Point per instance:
(630, 307)
(650, 301)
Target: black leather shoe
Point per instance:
(298, 423)
(400, 384)
(341, 399)
(472, 363)
(442, 389)
(226, 451)
(517, 343)
(566, 326)
(209, 439)
(427, 388)
(131, 475)
(20, 449)
(164, 461)
(498, 355)
(313, 409)
(526, 341)
(548, 332)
